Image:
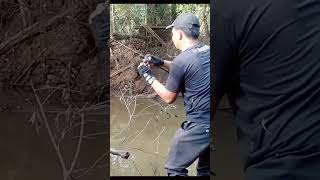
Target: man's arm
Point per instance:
(170, 91)
(166, 64)
(168, 96)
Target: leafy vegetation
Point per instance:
(126, 16)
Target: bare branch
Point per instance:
(79, 145)
(62, 163)
(93, 165)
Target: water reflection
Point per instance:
(146, 135)
(29, 155)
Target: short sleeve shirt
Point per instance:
(268, 61)
(190, 74)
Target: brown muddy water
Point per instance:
(148, 137)
(28, 155)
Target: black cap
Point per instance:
(186, 20)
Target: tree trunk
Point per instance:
(146, 14)
(205, 21)
(151, 14)
(113, 19)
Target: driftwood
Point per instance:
(147, 96)
(127, 36)
(122, 154)
(33, 30)
(141, 55)
(141, 96)
(25, 71)
(120, 70)
(152, 27)
(154, 34)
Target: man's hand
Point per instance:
(168, 96)
(145, 72)
(152, 60)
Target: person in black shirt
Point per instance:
(267, 60)
(189, 73)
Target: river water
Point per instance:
(148, 137)
(28, 155)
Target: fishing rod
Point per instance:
(140, 55)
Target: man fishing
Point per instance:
(189, 73)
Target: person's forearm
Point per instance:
(161, 90)
(167, 64)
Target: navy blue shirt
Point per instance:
(268, 62)
(190, 74)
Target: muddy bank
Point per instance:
(126, 54)
(50, 91)
(51, 47)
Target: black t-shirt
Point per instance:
(267, 59)
(190, 74)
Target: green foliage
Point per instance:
(126, 16)
(196, 9)
(200, 10)
(183, 8)
(139, 13)
(163, 14)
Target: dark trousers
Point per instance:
(191, 141)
